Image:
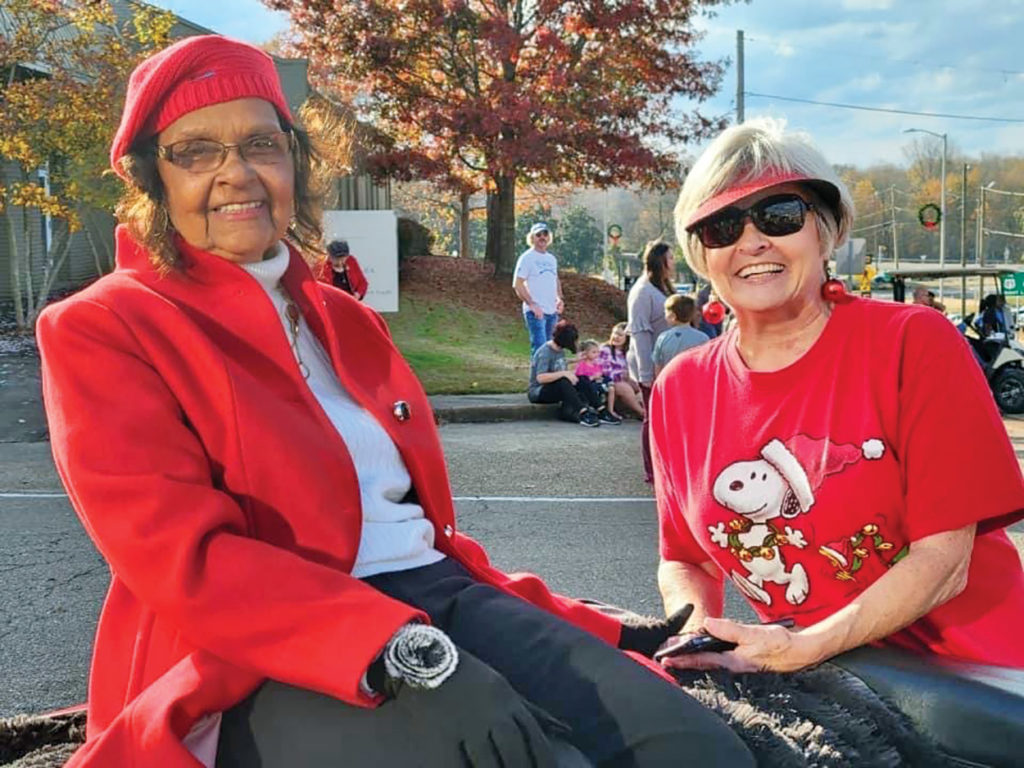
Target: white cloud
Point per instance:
(867, 5)
(867, 83)
(784, 49)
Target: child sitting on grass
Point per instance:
(588, 365)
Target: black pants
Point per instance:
(620, 713)
(573, 399)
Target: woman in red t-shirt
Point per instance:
(841, 460)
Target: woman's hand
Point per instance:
(760, 648)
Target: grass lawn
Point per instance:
(457, 350)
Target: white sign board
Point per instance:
(373, 239)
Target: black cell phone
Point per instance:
(704, 643)
(693, 644)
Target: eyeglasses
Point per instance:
(775, 216)
(204, 155)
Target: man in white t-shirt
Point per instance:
(536, 282)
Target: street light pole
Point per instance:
(740, 114)
(942, 202)
(963, 241)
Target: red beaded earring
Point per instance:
(714, 312)
(832, 289)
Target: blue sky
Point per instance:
(959, 57)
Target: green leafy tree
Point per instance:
(579, 241)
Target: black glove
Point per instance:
(645, 634)
(476, 720)
(418, 655)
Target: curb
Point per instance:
(488, 409)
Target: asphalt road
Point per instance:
(52, 580)
(592, 534)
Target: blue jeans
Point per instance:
(539, 329)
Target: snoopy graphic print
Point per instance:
(771, 529)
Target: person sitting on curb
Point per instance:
(681, 313)
(588, 366)
(615, 366)
(551, 381)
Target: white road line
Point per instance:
(524, 499)
(33, 495)
(562, 499)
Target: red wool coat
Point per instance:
(223, 499)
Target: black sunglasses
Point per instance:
(775, 216)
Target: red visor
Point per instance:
(725, 198)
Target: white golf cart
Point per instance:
(1001, 355)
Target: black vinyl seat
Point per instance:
(975, 713)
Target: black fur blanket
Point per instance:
(818, 717)
(823, 717)
(40, 741)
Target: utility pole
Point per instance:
(963, 241)
(981, 227)
(895, 245)
(739, 76)
(942, 219)
(942, 202)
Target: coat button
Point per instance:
(400, 410)
(449, 531)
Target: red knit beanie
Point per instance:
(193, 73)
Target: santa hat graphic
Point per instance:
(804, 463)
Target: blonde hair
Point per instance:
(744, 153)
(587, 344)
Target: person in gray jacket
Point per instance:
(646, 321)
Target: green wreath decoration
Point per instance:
(929, 221)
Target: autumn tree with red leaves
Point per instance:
(485, 94)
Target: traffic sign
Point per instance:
(1013, 283)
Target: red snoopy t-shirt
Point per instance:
(805, 485)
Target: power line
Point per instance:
(884, 109)
(871, 226)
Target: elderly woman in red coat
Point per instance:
(261, 471)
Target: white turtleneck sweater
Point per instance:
(395, 536)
